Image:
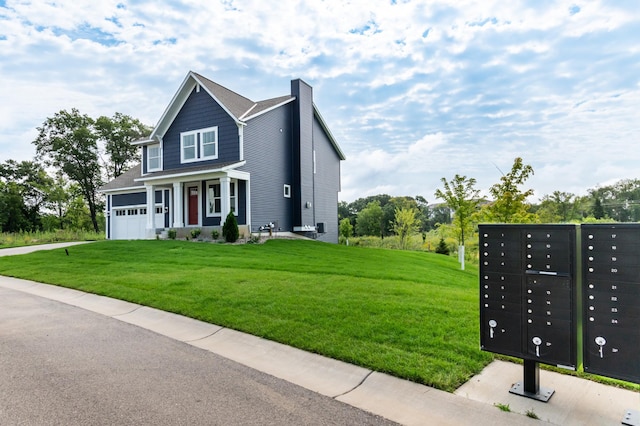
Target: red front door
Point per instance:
(193, 205)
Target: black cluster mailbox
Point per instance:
(539, 284)
(528, 297)
(527, 292)
(611, 300)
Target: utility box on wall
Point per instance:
(528, 292)
(611, 295)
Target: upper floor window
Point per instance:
(199, 145)
(153, 158)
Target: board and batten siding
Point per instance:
(326, 184)
(267, 152)
(201, 111)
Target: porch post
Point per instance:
(177, 205)
(248, 202)
(225, 208)
(151, 210)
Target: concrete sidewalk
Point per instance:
(30, 249)
(576, 401)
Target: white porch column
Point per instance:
(177, 205)
(248, 201)
(225, 189)
(151, 211)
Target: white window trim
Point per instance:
(208, 130)
(199, 145)
(233, 206)
(195, 146)
(286, 190)
(149, 169)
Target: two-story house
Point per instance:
(214, 151)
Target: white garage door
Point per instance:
(131, 223)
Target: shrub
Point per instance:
(215, 234)
(230, 229)
(172, 234)
(195, 233)
(442, 247)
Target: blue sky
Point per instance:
(412, 90)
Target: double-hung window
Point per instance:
(209, 143)
(189, 150)
(153, 158)
(199, 145)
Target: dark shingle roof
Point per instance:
(125, 180)
(236, 104)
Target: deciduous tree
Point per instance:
(509, 201)
(67, 141)
(405, 224)
(117, 133)
(369, 221)
(461, 197)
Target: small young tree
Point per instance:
(346, 229)
(230, 229)
(405, 224)
(462, 197)
(509, 201)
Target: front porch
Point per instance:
(201, 201)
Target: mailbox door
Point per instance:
(611, 300)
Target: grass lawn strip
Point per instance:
(412, 315)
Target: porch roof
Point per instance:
(124, 181)
(193, 171)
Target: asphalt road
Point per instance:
(62, 365)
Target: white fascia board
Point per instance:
(142, 142)
(122, 190)
(247, 112)
(237, 174)
(293, 98)
(188, 176)
(175, 105)
(328, 132)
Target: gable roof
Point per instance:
(239, 108)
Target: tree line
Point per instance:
(459, 207)
(75, 155)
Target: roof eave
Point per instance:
(328, 132)
(190, 174)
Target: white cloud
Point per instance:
(413, 91)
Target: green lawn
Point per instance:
(410, 314)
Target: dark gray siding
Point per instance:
(201, 111)
(327, 184)
(303, 152)
(268, 153)
(135, 198)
